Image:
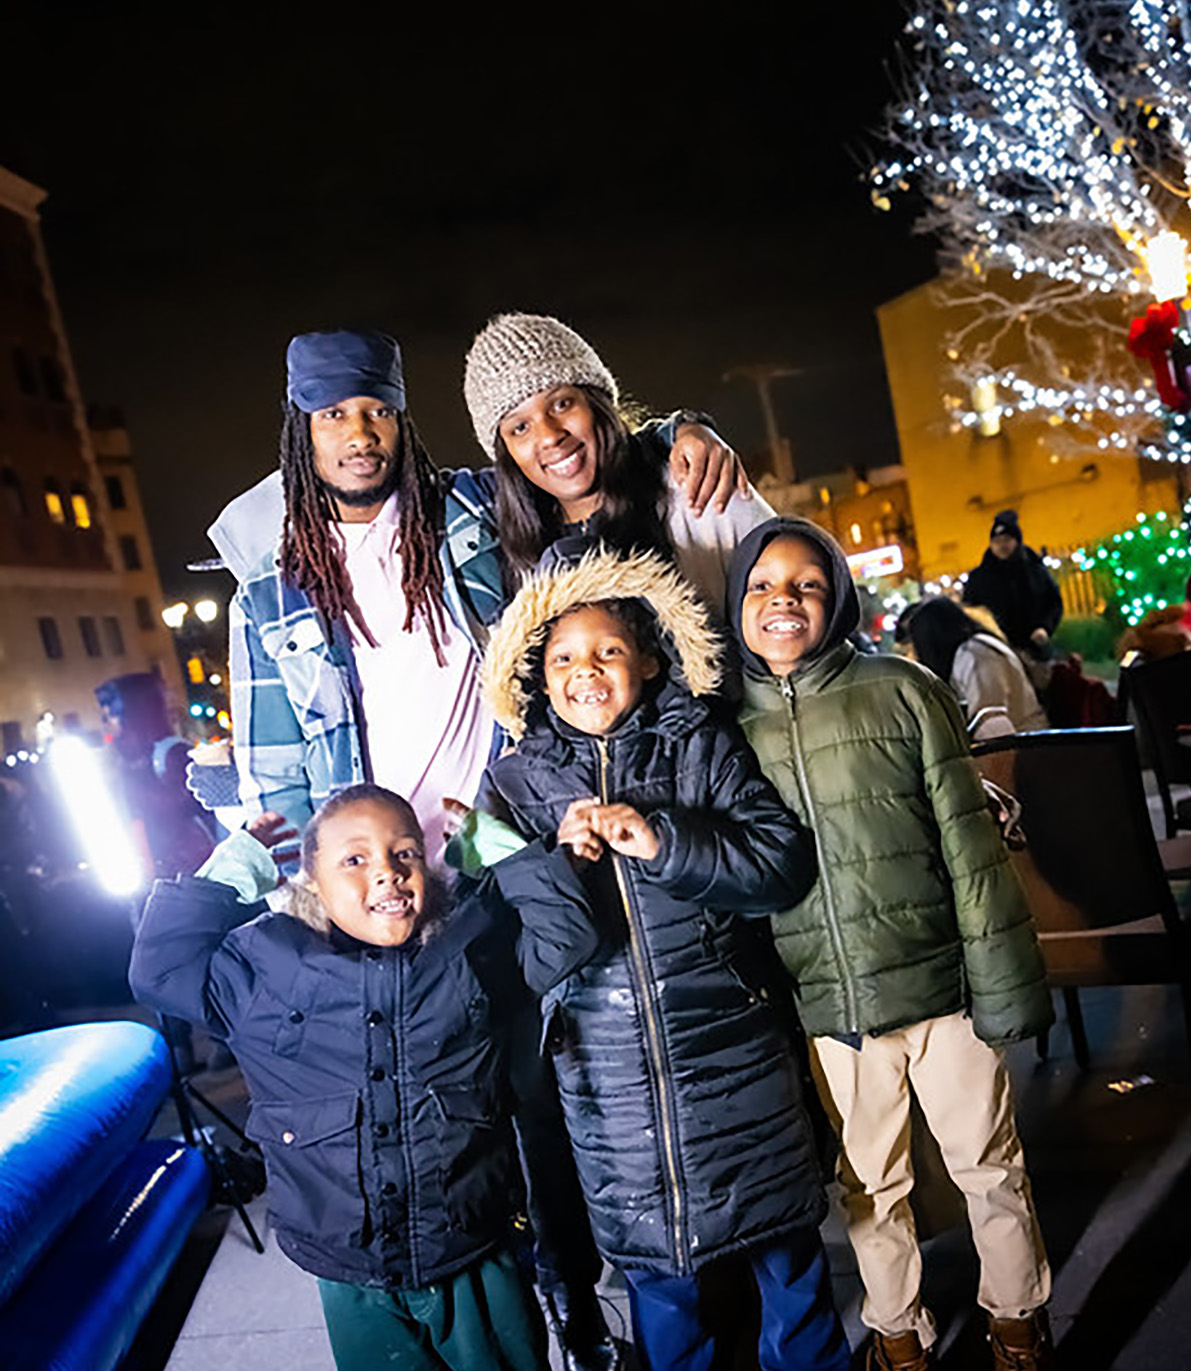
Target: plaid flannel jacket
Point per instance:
(294, 689)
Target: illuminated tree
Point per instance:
(1143, 567)
(1050, 144)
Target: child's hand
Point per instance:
(269, 828)
(625, 831)
(456, 812)
(577, 832)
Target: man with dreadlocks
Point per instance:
(352, 645)
(354, 652)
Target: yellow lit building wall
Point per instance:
(1065, 489)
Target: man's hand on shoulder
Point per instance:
(707, 468)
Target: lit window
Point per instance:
(53, 503)
(80, 509)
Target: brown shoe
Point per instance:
(897, 1352)
(1021, 1344)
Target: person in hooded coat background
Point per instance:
(1013, 582)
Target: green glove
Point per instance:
(481, 842)
(243, 863)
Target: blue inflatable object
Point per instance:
(82, 1305)
(74, 1102)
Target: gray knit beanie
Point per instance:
(517, 355)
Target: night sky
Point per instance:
(688, 199)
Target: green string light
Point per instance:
(1138, 574)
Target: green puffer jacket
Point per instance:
(916, 912)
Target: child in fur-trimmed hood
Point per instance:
(679, 1086)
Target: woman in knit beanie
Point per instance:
(545, 410)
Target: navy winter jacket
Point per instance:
(377, 1075)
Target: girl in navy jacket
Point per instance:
(369, 1023)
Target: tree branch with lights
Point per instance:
(1050, 146)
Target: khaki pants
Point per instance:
(963, 1088)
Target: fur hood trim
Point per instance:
(601, 575)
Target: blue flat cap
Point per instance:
(327, 368)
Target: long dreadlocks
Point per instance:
(312, 560)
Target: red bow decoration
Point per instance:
(1151, 337)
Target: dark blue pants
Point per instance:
(800, 1327)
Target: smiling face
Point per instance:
(369, 870)
(355, 454)
(595, 671)
(552, 439)
(787, 602)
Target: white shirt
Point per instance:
(426, 732)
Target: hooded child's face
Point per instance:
(787, 603)
(595, 671)
(370, 872)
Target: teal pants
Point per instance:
(484, 1319)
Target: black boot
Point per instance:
(578, 1324)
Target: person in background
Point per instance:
(913, 958)
(986, 674)
(1013, 582)
(1161, 632)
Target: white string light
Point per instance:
(1051, 145)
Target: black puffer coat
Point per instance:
(377, 1075)
(674, 1062)
(1020, 591)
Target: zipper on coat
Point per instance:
(837, 943)
(652, 1035)
(400, 966)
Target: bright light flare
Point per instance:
(207, 610)
(106, 840)
(172, 615)
(1165, 256)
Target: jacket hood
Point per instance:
(250, 526)
(685, 631)
(845, 603)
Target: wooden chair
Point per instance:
(1093, 873)
(1160, 693)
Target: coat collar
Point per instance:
(762, 692)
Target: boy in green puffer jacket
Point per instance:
(914, 957)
